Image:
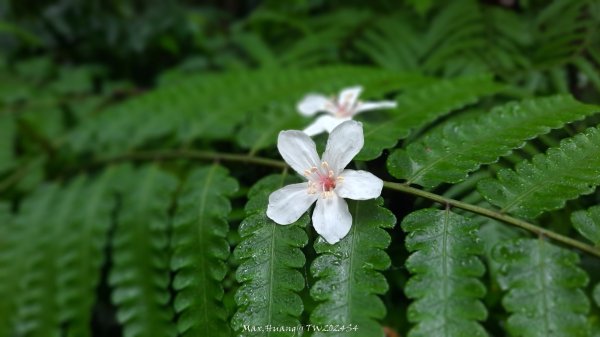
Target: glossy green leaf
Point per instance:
(348, 274)
(270, 256)
(200, 250)
(446, 270)
(449, 153)
(549, 180)
(587, 222)
(140, 275)
(544, 289)
(417, 108)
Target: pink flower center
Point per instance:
(322, 180)
(327, 182)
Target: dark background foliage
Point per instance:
(77, 77)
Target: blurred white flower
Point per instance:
(339, 109)
(327, 181)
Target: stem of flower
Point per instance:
(245, 158)
(195, 154)
(494, 215)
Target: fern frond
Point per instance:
(587, 222)
(7, 151)
(82, 248)
(381, 43)
(349, 273)
(446, 272)
(549, 180)
(449, 153)
(560, 32)
(211, 107)
(421, 6)
(199, 251)
(418, 108)
(139, 275)
(41, 220)
(544, 284)
(270, 256)
(9, 261)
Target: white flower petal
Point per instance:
(366, 106)
(344, 143)
(313, 103)
(331, 218)
(359, 185)
(298, 150)
(349, 96)
(287, 204)
(324, 123)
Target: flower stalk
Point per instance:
(244, 158)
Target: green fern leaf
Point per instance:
(549, 180)
(587, 222)
(200, 249)
(8, 131)
(349, 273)
(421, 6)
(597, 294)
(61, 219)
(449, 153)
(420, 107)
(40, 219)
(270, 255)
(446, 272)
(140, 275)
(375, 43)
(82, 252)
(544, 284)
(212, 107)
(9, 260)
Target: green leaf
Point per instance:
(543, 284)
(41, 220)
(214, 106)
(9, 267)
(421, 6)
(549, 180)
(140, 275)
(270, 256)
(200, 249)
(82, 246)
(587, 222)
(7, 151)
(446, 271)
(449, 153)
(348, 274)
(418, 108)
(597, 294)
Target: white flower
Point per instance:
(339, 109)
(327, 181)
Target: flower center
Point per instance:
(322, 180)
(342, 109)
(327, 183)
